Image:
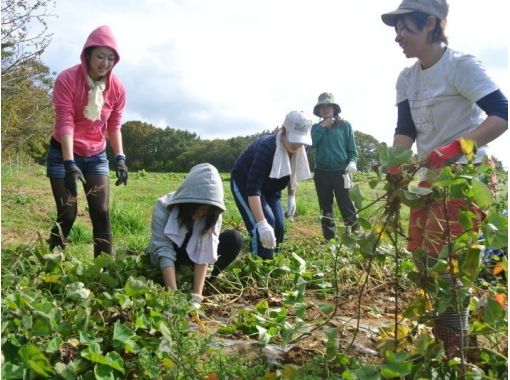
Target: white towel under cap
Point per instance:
(296, 166)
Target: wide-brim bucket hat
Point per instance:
(326, 98)
(438, 8)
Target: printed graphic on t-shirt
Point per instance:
(421, 110)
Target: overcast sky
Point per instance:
(225, 68)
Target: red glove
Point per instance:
(394, 169)
(444, 155)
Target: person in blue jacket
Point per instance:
(261, 172)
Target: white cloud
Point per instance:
(224, 67)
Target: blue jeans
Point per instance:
(273, 212)
(93, 165)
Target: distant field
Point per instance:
(28, 208)
(307, 314)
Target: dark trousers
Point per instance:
(273, 212)
(229, 247)
(327, 185)
(97, 192)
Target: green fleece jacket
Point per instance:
(334, 147)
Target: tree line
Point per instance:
(27, 115)
(173, 150)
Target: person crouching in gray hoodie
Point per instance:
(186, 227)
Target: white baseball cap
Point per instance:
(298, 128)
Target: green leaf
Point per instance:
(286, 332)
(422, 343)
(94, 354)
(466, 219)
(34, 359)
(411, 199)
(54, 344)
(416, 308)
(495, 230)
(420, 191)
(365, 223)
(349, 241)
(368, 245)
(125, 301)
(481, 194)
(135, 287)
(40, 327)
(86, 339)
(262, 306)
(470, 263)
(12, 371)
(326, 308)
(77, 291)
(396, 369)
(112, 359)
(391, 156)
(104, 372)
(396, 357)
(108, 280)
(264, 336)
(115, 361)
(494, 313)
(122, 338)
(356, 197)
(367, 373)
(53, 260)
(50, 278)
(141, 321)
(373, 183)
(301, 264)
(331, 344)
(67, 372)
(300, 309)
(150, 364)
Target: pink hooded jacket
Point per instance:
(70, 97)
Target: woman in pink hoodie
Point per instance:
(88, 100)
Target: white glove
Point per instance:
(351, 168)
(291, 205)
(266, 233)
(196, 300)
(347, 181)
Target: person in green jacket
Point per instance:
(335, 162)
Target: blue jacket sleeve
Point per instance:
(259, 170)
(494, 104)
(405, 123)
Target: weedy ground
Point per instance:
(303, 307)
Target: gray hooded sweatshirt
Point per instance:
(202, 185)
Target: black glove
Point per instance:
(73, 174)
(121, 171)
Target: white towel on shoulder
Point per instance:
(201, 248)
(296, 166)
(95, 102)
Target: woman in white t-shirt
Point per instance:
(444, 96)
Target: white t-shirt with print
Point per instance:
(443, 99)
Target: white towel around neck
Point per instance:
(95, 102)
(296, 166)
(201, 248)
